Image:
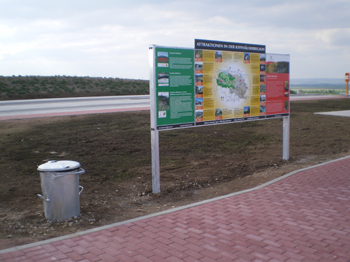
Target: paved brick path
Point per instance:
(304, 217)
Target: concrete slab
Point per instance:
(343, 113)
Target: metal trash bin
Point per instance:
(60, 188)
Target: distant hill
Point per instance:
(331, 83)
(31, 87)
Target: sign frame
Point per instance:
(154, 97)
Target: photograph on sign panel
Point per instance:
(198, 66)
(262, 68)
(199, 90)
(198, 55)
(163, 101)
(262, 58)
(199, 79)
(263, 79)
(199, 113)
(218, 56)
(199, 101)
(163, 79)
(247, 58)
(286, 86)
(278, 67)
(262, 109)
(218, 113)
(163, 57)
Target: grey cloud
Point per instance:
(66, 31)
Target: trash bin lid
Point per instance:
(62, 165)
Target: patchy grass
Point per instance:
(115, 151)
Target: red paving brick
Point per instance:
(303, 217)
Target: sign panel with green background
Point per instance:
(174, 85)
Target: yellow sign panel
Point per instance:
(231, 83)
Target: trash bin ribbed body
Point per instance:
(60, 189)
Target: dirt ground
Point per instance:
(115, 151)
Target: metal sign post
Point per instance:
(154, 130)
(155, 161)
(286, 122)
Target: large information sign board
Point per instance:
(215, 83)
(218, 82)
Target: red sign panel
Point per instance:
(277, 84)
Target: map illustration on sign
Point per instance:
(232, 85)
(231, 80)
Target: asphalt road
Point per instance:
(18, 109)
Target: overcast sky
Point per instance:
(110, 38)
